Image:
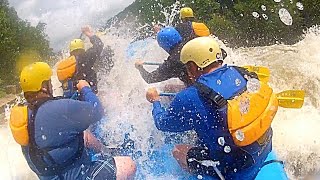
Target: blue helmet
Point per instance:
(168, 38)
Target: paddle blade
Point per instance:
(262, 72)
(291, 98)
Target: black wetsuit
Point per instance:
(171, 68)
(186, 31)
(86, 61)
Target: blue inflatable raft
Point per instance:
(162, 165)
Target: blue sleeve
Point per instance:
(69, 115)
(179, 117)
(85, 112)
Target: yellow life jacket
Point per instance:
(250, 115)
(19, 124)
(66, 68)
(200, 29)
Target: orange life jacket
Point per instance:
(200, 29)
(249, 115)
(248, 125)
(19, 124)
(66, 68)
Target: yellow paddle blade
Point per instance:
(262, 72)
(291, 98)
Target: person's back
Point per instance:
(214, 133)
(224, 110)
(189, 28)
(81, 63)
(58, 127)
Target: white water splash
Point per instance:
(239, 135)
(227, 149)
(299, 6)
(221, 141)
(265, 16)
(255, 14)
(253, 85)
(285, 16)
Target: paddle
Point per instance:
(262, 72)
(81, 36)
(152, 63)
(287, 99)
(291, 98)
(75, 96)
(167, 94)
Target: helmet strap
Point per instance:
(47, 88)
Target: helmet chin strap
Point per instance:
(47, 89)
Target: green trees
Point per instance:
(20, 43)
(241, 22)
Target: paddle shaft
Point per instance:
(152, 63)
(286, 100)
(264, 74)
(167, 94)
(74, 96)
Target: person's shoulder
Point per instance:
(188, 93)
(58, 104)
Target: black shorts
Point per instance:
(103, 169)
(194, 157)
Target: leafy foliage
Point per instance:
(18, 38)
(234, 21)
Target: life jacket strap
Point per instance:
(211, 96)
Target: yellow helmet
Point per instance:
(186, 12)
(33, 75)
(76, 44)
(202, 50)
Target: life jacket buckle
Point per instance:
(220, 101)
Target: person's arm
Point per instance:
(89, 109)
(76, 115)
(164, 72)
(93, 53)
(97, 46)
(179, 117)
